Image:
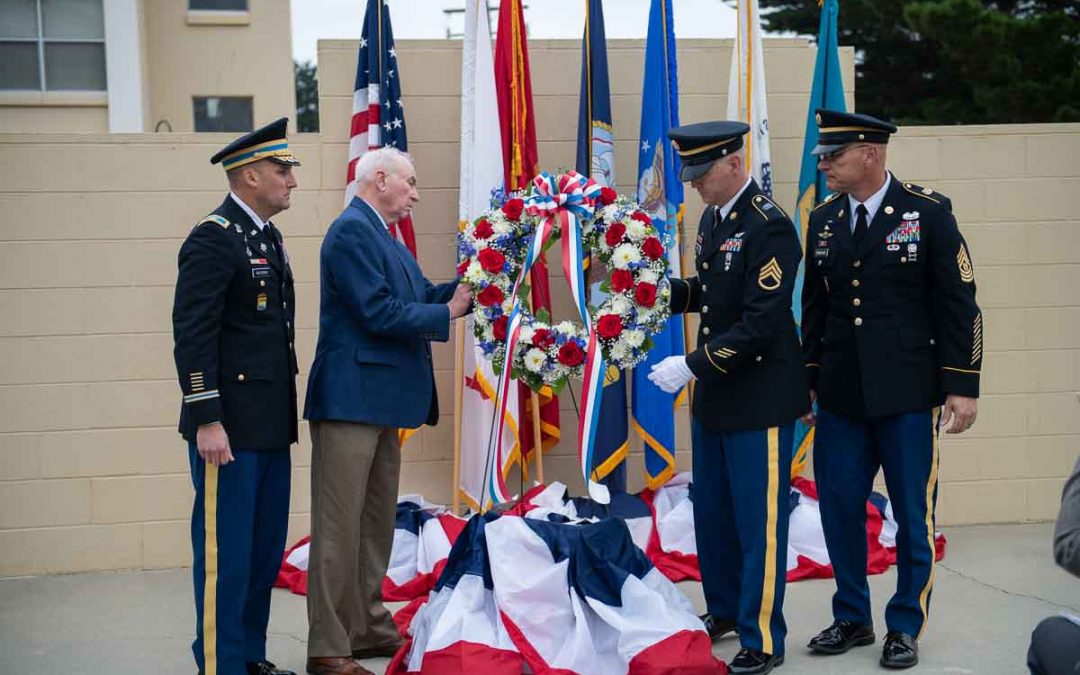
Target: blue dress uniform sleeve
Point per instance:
(367, 294)
(685, 295)
(773, 261)
(205, 272)
(815, 307)
(957, 316)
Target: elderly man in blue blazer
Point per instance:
(372, 375)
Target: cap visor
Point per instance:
(826, 149)
(287, 161)
(689, 172)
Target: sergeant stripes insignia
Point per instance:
(967, 274)
(724, 352)
(770, 275)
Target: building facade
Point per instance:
(94, 66)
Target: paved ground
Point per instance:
(995, 584)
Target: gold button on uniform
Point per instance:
(704, 288)
(263, 282)
(855, 283)
(704, 265)
(704, 309)
(705, 330)
(240, 377)
(858, 321)
(903, 259)
(857, 263)
(856, 302)
(758, 358)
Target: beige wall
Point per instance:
(185, 54)
(92, 473)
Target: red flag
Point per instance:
(520, 161)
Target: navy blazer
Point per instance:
(377, 316)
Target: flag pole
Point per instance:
(459, 396)
(537, 436)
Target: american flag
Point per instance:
(378, 117)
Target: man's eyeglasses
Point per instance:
(835, 155)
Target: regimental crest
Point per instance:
(963, 262)
(770, 276)
(611, 375)
(603, 154)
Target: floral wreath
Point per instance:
(613, 229)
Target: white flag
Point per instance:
(481, 172)
(746, 93)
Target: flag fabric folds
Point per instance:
(481, 172)
(378, 117)
(520, 161)
(827, 91)
(661, 196)
(596, 160)
(746, 93)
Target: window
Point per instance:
(223, 113)
(46, 45)
(219, 5)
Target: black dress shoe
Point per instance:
(754, 662)
(900, 650)
(717, 627)
(266, 668)
(842, 636)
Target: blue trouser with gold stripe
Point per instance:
(742, 499)
(847, 454)
(238, 528)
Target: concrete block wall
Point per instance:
(92, 473)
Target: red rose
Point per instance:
(462, 267)
(499, 327)
(621, 280)
(513, 208)
(483, 230)
(571, 355)
(491, 260)
(607, 196)
(653, 248)
(609, 326)
(492, 295)
(614, 233)
(645, 294)
(641, 217)
(543, 338)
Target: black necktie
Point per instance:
(860, 225)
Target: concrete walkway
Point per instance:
(994, 585)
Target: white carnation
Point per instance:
(534, 360)
(624, 255)
(620, 351)
(526, 334)
(647, 276)
(634, 338)
(489, 333)
(566, 328)
(636, 229)
(500, 226)
(475, 273)
(620, 305)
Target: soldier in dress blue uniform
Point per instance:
(891, 331)
(233, 332)
(751, 389)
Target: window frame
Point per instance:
(246, 8)
(195, 98)
(41, 40)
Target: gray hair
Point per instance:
(381, 159)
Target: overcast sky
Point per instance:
(313, 20)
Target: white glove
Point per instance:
(671, 374)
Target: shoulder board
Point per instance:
(214, 218)
(767, 207)
(924, 192)
(828, 199)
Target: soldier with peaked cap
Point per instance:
(233, 332)
(751, 388)
(891, 332)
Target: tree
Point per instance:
(307, 96)
(954, 61)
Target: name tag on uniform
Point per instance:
(260, 272)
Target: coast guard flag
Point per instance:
(746, 93)
(596, 159)
(378, 117)
(481, 172)
(827, 92)
(661, 196)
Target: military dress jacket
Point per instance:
(890, 326)
(747, 361)
(233, 331)
(377, 318)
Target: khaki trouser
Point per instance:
(354, 484)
